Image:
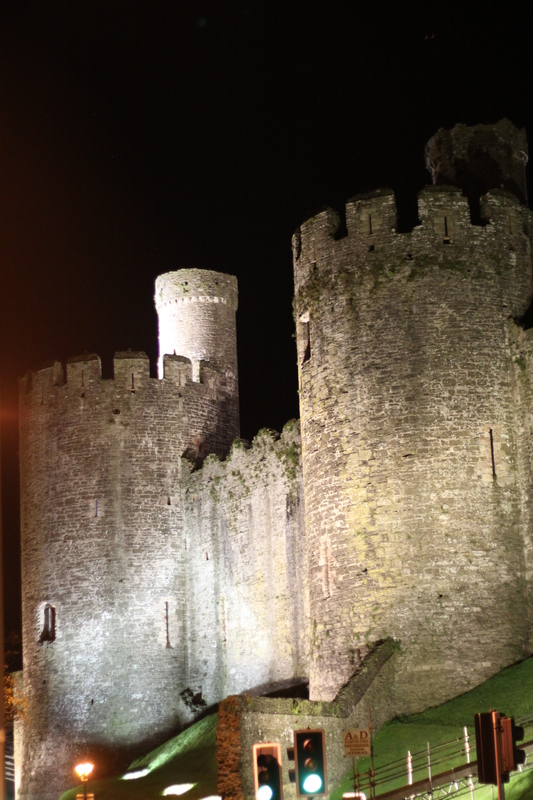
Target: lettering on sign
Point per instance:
(356, 742)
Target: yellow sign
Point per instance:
(356, 742)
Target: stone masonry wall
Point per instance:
(248, 620)
(101, 519)
(521, 347)
(413, 491)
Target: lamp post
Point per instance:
(83, 771)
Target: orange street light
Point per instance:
(83, 771)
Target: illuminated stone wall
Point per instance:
(170, 585)
(103, 546)
(416, 497)
(248, 610)
(101, 515)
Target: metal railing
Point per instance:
(425, 778)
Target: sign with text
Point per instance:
(356, 742)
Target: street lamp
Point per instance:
(83, 771)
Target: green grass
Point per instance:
(187, 758)
(190, 757)
(511, 692)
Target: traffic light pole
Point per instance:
(498, 748)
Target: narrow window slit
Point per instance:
(307, 343)
(207, 556)
(49, 624)
(167, 624)
(96, 508)
(82, 381)
(370, 224)
(223, 615)
(446, 239)
(492, 454)
(304, 338)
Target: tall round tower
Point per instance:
(416, 506)
(196, 310)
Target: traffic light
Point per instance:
(267, 771)
(310, 758)
(512, 756)
(488, 747)
(497, 753)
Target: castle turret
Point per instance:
(196, 310)
(414, 495)
(478, 158)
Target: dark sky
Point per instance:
(139, 137)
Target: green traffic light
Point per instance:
(310, 758)
(312, 784)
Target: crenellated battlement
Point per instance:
(373, 242)
(131, 369)
(131, 375)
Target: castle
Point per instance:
(166, 564)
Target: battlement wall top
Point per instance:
(131, 371)
(84, 368)
(84, 357)
(133, 355)
(285, 447)
(369, 213)
(479, 158)
(196, 286)
(445, 218)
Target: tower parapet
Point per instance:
(373, 250)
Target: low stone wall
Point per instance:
(244, 721)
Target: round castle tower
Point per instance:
(414, 433)
(104, 601)
(196, 311)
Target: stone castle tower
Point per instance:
(416, 423)
(404, 511)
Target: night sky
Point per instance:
(142, 137)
